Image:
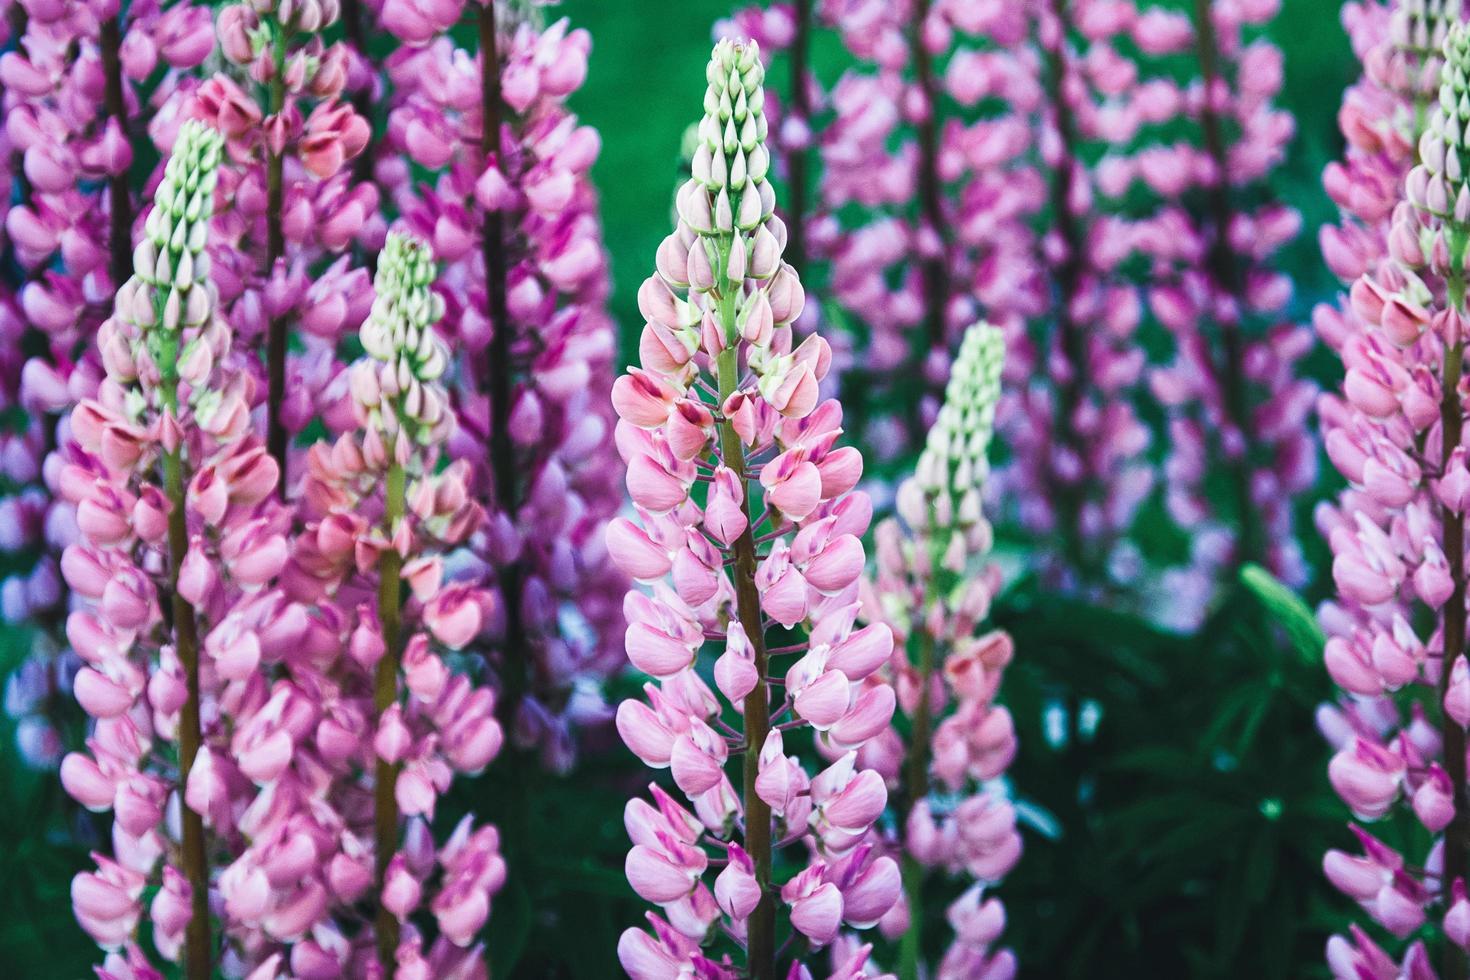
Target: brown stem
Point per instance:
(385, 695)
(197, 954)
(120, 201)
(1227, 274)
(515, 667)
(931, 200)
(275, 351)
(797, 159)
(1068, 276)
(761, 929)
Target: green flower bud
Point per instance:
(397, 384)
(954, 462)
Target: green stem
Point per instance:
(911, 951)
(197, 947)
(385, 695)
(275, 433)
(761, 930)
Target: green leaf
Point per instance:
(1288, 610)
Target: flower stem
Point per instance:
(1457, 834)
(761, 930)
(911, 950)
(935, 267)
(275, 434)
(797, 159)
(1068, 274)
(385, 695)
(119, 197)
(515, 665)
(1226, 273)
(197, 951)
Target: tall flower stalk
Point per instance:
(294, 204)
(69, 227)
(1233, 394)
(723, 403)
(923, 191)
(513, 213)
(156, 424)
(933, 589)
(383, 517)
(1398, 541)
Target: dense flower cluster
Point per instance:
(1397, 626)
(73, 91)
(292, 208)
(1232, 391)
(170, 490)
(514, 216)
(933, 589)
(381, 513)
(1042, 165)
(924, 207)
(722, 404)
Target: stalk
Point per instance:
(275, 437)
(1454, 965)
(935, 267)
(1068, 276)
(385, 694)
(917, 767)
(197, 954)
(1226, 273)
(120, 202)
(498, 370)
(761, 932)
(797, 160)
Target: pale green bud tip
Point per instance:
(405, 263)
(1420, 26)
(975, 378)
(399, 327)
(954, 457)
(1456, 58)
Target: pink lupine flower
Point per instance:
(946, 675)
(425, 722)
(1397, 532)
(290, 201)
(758, 406)
(513, 215)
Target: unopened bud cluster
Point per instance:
(1438, 185)
(726, 231)
(951, 471)
(397, 384)
(168, 290)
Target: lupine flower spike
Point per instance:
(1396, 629)
(512, 214)
(161, 422)
(933, 589)
(746, 525)
(72, 90)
